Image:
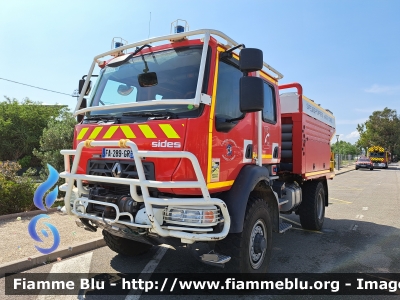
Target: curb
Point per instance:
(38, 260)
(349, 167)
(345, 172)
(27, 214)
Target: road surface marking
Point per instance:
(354, 227)
(79, 264)
(286, 219)
(345, 189)
(365, 208)
(359, 216)
(298, 224)
(148, 270)
(314, 231)
(346, 202)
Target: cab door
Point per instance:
(232, 130)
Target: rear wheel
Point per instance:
(250, 250)
(124, 246)
(312, 208)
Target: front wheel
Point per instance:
(250, 250)
(312, 208)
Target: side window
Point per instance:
(227, 105)
(269, 113)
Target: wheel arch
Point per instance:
(252, 181)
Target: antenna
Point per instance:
(149, 25)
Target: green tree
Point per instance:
(345, 148)
(381, 129)
(16, 192)
(58, 135)
(21, 125)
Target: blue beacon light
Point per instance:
(118, 44)
(179, 29)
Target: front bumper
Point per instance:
(76, 204)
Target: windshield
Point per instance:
(176, 73)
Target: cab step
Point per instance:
(215, 259)
(284, 227)
(205, 253)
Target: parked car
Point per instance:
(364, 162)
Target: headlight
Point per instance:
(193, 216)
(176, 214)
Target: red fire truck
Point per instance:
(189, 137)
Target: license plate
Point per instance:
(117, 153)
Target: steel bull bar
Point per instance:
(154, 226)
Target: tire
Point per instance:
(124, 246)
(356, 168)
(371, 169)
(242, 247)
(312, 208)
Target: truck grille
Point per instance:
(125, 169)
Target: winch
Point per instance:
(125, 203)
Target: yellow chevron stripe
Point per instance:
(215, 185)
(148, 133)
(317, 173)
(110, 132)
(169, 131)
(128, 132)
(95, 133)
(82, 133)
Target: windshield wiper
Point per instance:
(156, 115)
(100, 117)
(116, 62)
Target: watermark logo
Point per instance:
(49, 201)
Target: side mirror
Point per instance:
(148, 79)
(81, 83)
(250, 60)
(251, 94)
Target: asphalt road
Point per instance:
(361, 234)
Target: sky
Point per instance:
(345, 53)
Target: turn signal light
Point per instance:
(209, 216)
